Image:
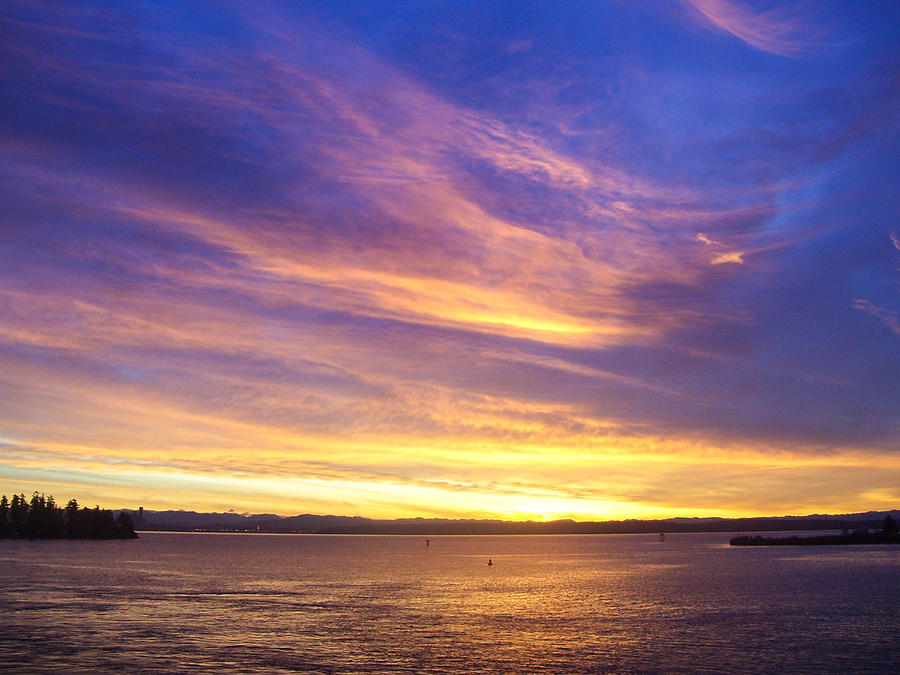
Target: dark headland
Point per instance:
(886, 534)
(822, 540)
(41, 518)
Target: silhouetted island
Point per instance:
(888, 535)
(41, 518)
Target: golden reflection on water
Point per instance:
(387, 604)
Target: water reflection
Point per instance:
(548, 604)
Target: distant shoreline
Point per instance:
(41, 517)
(189, 521)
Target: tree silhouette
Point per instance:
(889, 526)
(124, 524)
(4, 517)
(18, 515)
(41, 518)
(74, 523)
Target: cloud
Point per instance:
(733, 257)
(787, 30)
(721, 258)
(502, 277)
(888, 316)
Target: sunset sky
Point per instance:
(590, 259)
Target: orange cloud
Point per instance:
(733, 257)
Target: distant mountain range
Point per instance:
(187, 521)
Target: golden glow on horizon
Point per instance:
(555, 483)
(510, 458)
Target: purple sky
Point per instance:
(583, 259)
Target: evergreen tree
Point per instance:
(53, 520)
(41, 518)
(36, 516)
(125, 524)
(74, 528)
(101, 524)
(4, 517)
(18, 515)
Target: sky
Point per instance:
(524, 260)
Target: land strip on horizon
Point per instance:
(318, 524)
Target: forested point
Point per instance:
(41, 518)
(889, 534)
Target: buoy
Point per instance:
(490, 562)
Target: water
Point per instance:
(336, 604)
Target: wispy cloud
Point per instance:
(787, 29)
(503, 275)
(888, 316)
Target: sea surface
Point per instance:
(346, 604)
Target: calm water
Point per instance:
(330, 604)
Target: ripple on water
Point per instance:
(381, 604)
